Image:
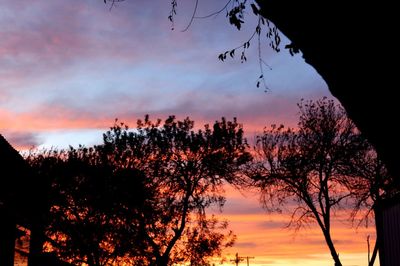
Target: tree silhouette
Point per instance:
(306, 167)
(83, 223)
(141, 196)
(187, 169)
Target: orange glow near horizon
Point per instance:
(265, 236)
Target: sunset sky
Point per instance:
(69, 68)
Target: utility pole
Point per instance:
(248, 258)
(369, 251)
(239, 259)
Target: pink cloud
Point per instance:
(21, 140)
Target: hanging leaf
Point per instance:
(236, 22)
(258, 30)
(255, 9)
(236, 15)
(293, 49)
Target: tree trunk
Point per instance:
(162, 261)
(329, 242)
(379, 231)
(374, 253)
(90, 259)
(36, 245)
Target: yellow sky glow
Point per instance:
(264, 236)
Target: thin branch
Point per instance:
(246, 44)
(339, 199)
(192, 18)
(112, 2)
(298, 221)
(260, 61)
(214, 13)
(172, 13)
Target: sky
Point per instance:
(69, 68)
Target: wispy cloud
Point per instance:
(22, 140)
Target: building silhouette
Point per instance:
(23, 198)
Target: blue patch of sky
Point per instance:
(62, 139)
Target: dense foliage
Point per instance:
(141, 197)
